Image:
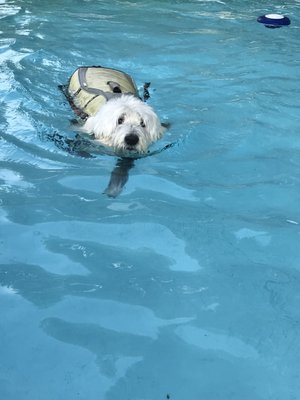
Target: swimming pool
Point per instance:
(186, 286)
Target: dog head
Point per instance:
(126, 124)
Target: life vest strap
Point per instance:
(84, 85)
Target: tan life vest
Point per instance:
(91, 87)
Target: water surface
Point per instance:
(187, 285)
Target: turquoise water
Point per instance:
(186, 286)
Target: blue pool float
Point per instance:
(274, 20)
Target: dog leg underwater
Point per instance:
(119, 177)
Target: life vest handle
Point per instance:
(115, 87)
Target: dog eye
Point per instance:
(121, 120)
(143, 125)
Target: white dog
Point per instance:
(125, 124)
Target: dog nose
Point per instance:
(131, 139)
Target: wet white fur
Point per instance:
(137, 117)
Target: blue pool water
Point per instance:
(186, 286)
